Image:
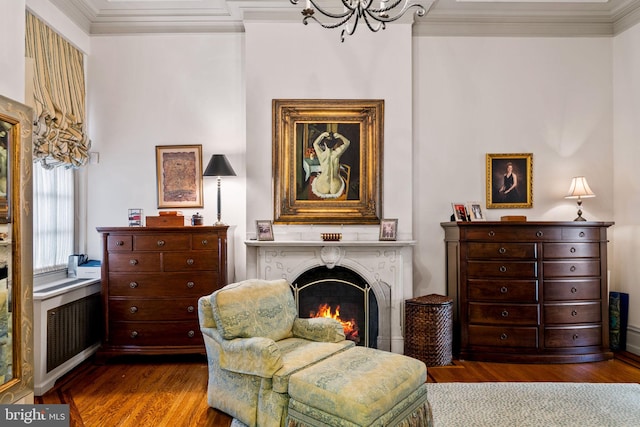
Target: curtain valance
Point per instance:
(60, 137)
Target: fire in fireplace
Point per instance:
(342, 294)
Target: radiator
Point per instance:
(72, 328)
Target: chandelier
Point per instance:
(375, 18)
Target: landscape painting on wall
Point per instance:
(326, 161)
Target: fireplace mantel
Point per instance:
(385, 265)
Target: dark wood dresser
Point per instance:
(152, 278)
(532, 292)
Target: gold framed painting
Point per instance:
(327, 157)
(179, 175)
(509, 181)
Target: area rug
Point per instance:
(534, 404)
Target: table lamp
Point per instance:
(219, 166)
(579, 189)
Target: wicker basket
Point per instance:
(429, 329)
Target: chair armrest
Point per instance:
(321, 329)
(205, 312)
(252, 356)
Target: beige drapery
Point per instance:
(60, 137)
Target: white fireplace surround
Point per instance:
(383, 264)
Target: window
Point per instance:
(53, 218)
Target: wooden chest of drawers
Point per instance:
(529, 292)
(152, 278)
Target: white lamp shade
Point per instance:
(579, 189)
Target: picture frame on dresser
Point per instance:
(179, 176)
(474, 210)
(509, 180)
(459, 211)
(310, 135)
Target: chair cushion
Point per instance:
(298, 353)
(254, 308)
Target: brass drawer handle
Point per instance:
(581, 234)
(161, 242)
(539, 234)
(133, 285)
(572, 250)
(503, 269)
(504, 336)
(574, 313)
(191, 334)
(205, 242)
(492, 233)
(505, 313)
(190, 309)
(572, 268)
(575, 337)
(190, 285)
(574, 289)
(504, 290)
(190, 261)
(133, 309)
(119, 243)
(133, 261)
(502, 251)
(134, 334)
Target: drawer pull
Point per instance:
(504, 337)
(539, 234)
(502, 251)
(575, 337)
(133, 285)
(134, 334)
(503, 269)
(190, 309)
(190, 261)
(133, 309)
(505, 313)
(190, 285)
(574, 313)
(133, 261)
(574, 290)
(581, 234)
(205, 242)
(492, 233)
(572, 250)
(191, 334)
(119, 243)
(572, 268)
(504, 290)
(160, 242)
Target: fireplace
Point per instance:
(376, 276)
(344, 295)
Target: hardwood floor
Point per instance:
(168, 391)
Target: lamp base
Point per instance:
(579, 218)
(222, 223)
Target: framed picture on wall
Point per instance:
(509, 181)
(264, 230)
(327, 157)
(179, 176)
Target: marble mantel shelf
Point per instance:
(357, 243)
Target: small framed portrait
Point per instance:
(135, 217)
(474, 209)
(388, 229)
(264, 229)
(459, 212)
(509, 181)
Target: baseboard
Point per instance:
(633, 340)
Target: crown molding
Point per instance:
(445, 17)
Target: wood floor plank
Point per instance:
(172, 390)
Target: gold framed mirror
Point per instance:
(16, 265)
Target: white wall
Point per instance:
(548, 96)
(154, 90)
(12, 24)
(626, 188)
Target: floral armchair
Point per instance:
(255, 342)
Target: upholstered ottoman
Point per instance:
(360, 387)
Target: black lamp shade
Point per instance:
(219, 166)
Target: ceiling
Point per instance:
(444, 17)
